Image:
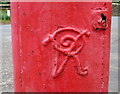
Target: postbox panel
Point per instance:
(61, 46)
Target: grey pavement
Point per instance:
(7, 66)
(113, 82)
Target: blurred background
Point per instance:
(6, 59)
(4, 12)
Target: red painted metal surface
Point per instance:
(61, 46)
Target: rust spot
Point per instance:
(33, 52)
(105, 4)
(39, 73)
(59, 26)
(102, 23)
(103, 17)
(55, 64)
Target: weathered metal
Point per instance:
(61, 46)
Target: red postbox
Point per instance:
(61, 46)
